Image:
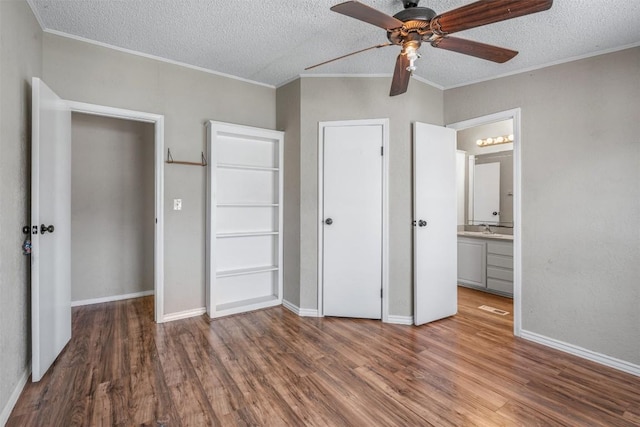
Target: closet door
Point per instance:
(244, 218)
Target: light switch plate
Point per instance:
(177, 204)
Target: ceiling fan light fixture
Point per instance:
(411, 50)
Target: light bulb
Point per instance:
(479, 142)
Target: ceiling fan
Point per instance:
(414, 25)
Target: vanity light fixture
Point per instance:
(505, 139)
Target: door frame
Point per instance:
(385, 207)
(515, 115)
(158, 121)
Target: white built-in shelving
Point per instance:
(244, 218)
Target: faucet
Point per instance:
(487, 229)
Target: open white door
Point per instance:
(435, 229)
(51, 227)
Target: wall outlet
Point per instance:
(177, 204)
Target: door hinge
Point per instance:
(380, 292)
(382, 151)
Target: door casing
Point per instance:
(515, 115)
(385, 206)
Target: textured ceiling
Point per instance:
(272, 41)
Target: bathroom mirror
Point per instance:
(485, 175)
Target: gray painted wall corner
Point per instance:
(20, 59)
(288, 120)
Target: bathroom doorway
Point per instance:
(488, 216)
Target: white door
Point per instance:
(51, 225)
(486, 193)
(352, 230)
(435, 231)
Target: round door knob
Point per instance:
(495, 213)
(328, 221)
(44, 229)
(422, 223)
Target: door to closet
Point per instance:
(244, 218)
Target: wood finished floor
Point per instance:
(273, 368)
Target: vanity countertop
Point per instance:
(480, 234)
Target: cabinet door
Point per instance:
(472, 262)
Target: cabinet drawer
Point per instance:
(500, 285)
(500, 261)
(500, 248)
(499, 273)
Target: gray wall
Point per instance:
(580, 196)
(112, 207)
(288, 119)
(351, 98)
(187, 98)
(20, 59)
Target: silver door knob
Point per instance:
(422, 223)
(328, 221)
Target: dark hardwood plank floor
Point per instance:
(272, 368)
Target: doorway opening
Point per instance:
(489, 213)
(134, 213)
(112, 209)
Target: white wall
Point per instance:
(112, 207)
(187, 98)
(580, 196)
(20, 59)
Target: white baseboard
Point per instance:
(111, 298)
(184, 314)
(602, 359)
(6, 411)
(302, 312)
(400, 320)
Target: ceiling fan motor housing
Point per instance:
(416, 20)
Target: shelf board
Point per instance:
(247, 205)
(246, 305)
(247, 234)
(246, 167)
(246, 271)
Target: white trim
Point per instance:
(584, 353)
(515, 115)
(154, 57)
(385, 207)
(186, 314)
(158, 121)
(15, 395)
(545, 65)
(110, 298)
(400, 320)
(302, 312)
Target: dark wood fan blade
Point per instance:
(367, 14)
(349, 54)
(479, 50)
(401, 76)
(485, 12)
